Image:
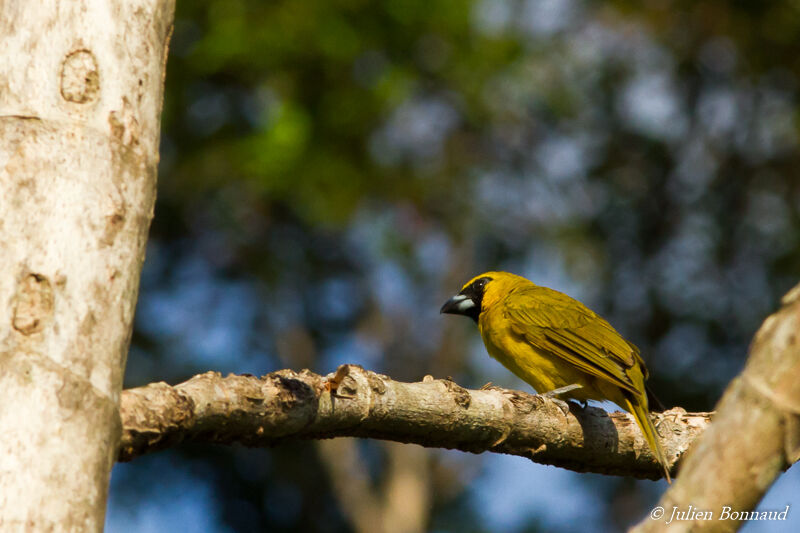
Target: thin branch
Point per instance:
(357, 496)
(354, 402)
(754, 438)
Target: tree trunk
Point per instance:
(81, 86)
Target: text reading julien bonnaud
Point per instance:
(691, 513)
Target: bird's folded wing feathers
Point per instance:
(552, 321)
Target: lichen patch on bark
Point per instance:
(33, 304)
(80, 77)
(114, 223)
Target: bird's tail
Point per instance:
(642, 416)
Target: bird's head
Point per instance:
(480, 293)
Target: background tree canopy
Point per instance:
(333, 170)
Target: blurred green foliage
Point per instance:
(331, 171)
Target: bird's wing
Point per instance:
(554, 322)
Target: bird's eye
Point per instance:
(481, 283)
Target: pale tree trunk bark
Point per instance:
(81, 86)
(754, 438)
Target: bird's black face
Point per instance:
(468, 301)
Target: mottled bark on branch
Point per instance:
(355, 402)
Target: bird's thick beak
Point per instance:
(458, 305)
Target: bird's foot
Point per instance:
(564, 406)
(553, 395)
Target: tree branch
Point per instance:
(755, 435)
(354, 402)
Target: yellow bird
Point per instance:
(557, 345)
